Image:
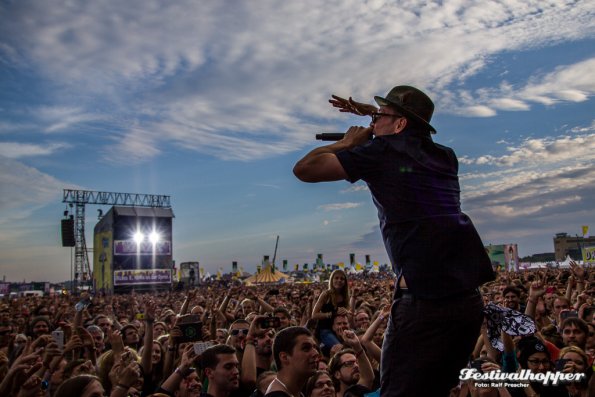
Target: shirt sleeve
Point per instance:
(361, 162)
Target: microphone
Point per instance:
(333, 136)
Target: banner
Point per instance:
(142, 276)
(589, 255)
(504, 256)
(130, 247)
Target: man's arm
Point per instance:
(322, 165)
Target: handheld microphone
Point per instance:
(333, 136)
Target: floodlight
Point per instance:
(138, 237)
(154, 237)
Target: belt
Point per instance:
(405, 293)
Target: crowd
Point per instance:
(321, 339)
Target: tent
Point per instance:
(267, 276)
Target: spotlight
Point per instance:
(154, 237)
(138, 237)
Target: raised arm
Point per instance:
(321, 164)
(365, 368)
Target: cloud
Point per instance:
(358, 187)
(338, 206)
(568, 83)
(250, 80)
(15, 150)
(545, 184)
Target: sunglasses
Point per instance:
(376, 116)
(236, 332)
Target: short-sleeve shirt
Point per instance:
(415, 187)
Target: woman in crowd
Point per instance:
(333, 301)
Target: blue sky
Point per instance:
(212, 102)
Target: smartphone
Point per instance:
(140, 316)
(200, 347)
(564, 314)
(560, 363)
(191, 328)
(83, 304)
(477, 364)
(58, 337)
(270, 322)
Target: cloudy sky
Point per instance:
(212, 102)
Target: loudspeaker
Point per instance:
(68, 233)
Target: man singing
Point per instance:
(434, 248)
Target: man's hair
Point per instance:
(335, 365)
(285, 341)
(95, 328)
(513, 289)
(282, 310)
(210, 357)
(238, 321)
(100, 316)
(577, 322)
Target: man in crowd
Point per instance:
(221, 368)
(296, 358)
(351, 367)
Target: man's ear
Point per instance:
(401, 124)
(284, 357)
(208, 372)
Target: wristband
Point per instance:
(184, 373)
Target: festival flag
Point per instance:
(352, 260)
(585, 230)
(305, 267)
(219, 273)
(258, 267)
(284, 265)
(359, 267)
(234, 266)
(296, 267)
(375, 267)
(341, 265)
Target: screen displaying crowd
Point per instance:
(317, 339)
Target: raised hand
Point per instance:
(351, 106)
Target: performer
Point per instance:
(434, 248)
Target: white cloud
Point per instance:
(358, 187)
(197, 74)
(338, 206)
(15, 150)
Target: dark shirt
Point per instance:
(415, 187)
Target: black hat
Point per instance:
(411, 102)
(529, 346)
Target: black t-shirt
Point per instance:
(415, 187)
(277, 393)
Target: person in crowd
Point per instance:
(350, 367)
(574, 360)
(296, 359)
(320, 385)
(221, 368)
(332, 302)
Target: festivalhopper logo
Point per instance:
(498, 378)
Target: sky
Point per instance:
(213, 102)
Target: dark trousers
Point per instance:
(427, 343)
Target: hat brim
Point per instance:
(385, 102)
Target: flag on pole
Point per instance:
(585, 230)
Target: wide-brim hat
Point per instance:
(411, 102)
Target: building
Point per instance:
(133, 249)
(564, 245)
